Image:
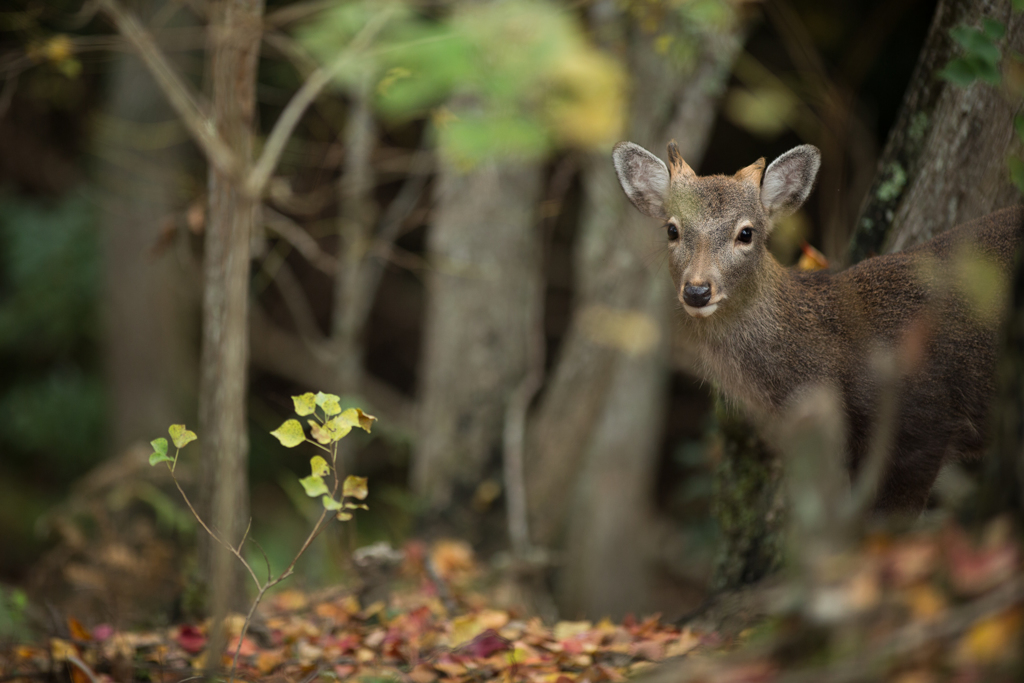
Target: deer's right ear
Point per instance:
(644, 178)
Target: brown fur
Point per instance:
(774, 331)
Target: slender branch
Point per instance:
(215, 536)
(7, 94)
(296, 107)
(304, 243)
(174, 87)
(83, 667)
(245, 535)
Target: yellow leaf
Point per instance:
(567, 629)
(305, 404)
(181, 436)
(329, 403)
(290, 434)
(60, 650)
(319, 466)
(991, 640)
(355, 487)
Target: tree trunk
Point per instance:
(148, 313)
(945, 161)
(484, 294)
(597, 430)
(235, 34)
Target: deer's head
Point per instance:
(716, 227)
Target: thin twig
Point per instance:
(304, 243)
(7, 94)
(180, 95)
(296, 107)
(213, 535)
(83, 667)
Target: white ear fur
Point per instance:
(789, 180)
(643, 176)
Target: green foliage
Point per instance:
(981, 55)
(49, 260)
(13, 603)
(49, 285)
(981, 61)
(498, 80)
(327, 427)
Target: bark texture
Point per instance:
(148, 306)
(235, 34)
(945, 160)
(596, 432)
(484, 293)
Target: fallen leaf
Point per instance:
(991, 640)
(190, 639)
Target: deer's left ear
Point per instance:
(644, 178)
(789, 180)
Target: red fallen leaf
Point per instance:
(190, 639)
(102, 632)
(344, 670)
(249, 648)
(348, 642)
(485, 645)
(974, 570)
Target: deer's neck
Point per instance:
(749, 352)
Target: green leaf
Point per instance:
(314, 486)
(290, 434)
(976, 43)
(356, 506)
(305, 404)
(1018, 125)
(330, 503)
(154, 458)
(1016, 165)
(959, 73)
(1018, 5)
(354, 487)
(181, 436)
(344, 516)
(993, 30)
(329, 403)
(319, 466)
(159, 445)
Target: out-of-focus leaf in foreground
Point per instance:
(515, 78)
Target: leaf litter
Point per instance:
(924, 607)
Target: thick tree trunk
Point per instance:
(484, 304)
(148, 310)
(235, 34)
(945, 161)
(596, 433)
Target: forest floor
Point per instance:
(932, 606)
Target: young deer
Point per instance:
(764, 332)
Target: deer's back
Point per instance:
(938, 308)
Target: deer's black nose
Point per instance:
(697, 296)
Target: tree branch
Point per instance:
(296, 107)
(181, 97)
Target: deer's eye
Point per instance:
(673, 231)
(745, 236)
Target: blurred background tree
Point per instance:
(442, 240)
